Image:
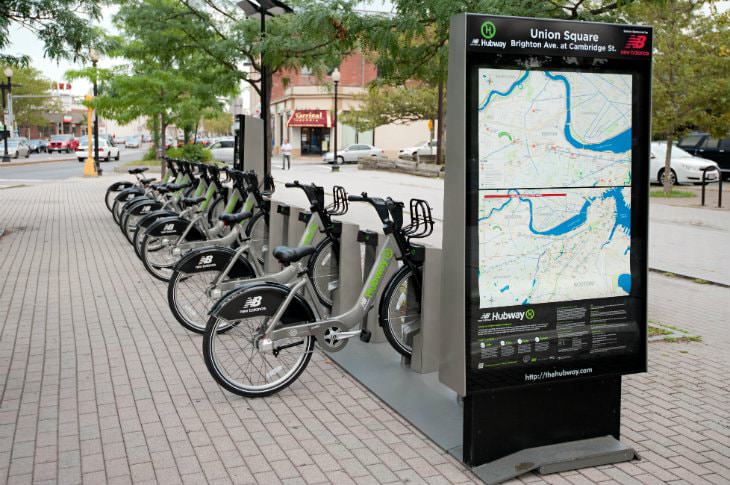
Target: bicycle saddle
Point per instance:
(286, 254)
(147, 180)
(137, 170)
(229, 219)
(187, 201)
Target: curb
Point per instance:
(24, 164)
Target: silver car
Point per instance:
(222, 149)
(352, 153)
(17, 147)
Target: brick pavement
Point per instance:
(101, 385)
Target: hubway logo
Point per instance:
(497, 316)
(488, 30)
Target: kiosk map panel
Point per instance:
(557, 153)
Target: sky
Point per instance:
(25, 42)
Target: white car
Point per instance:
(106, 151)
(222, 149)
(425, 148)
(686, 168)
(352, 153)
(17, 147)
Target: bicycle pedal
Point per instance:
(365, 335)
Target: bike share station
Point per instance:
(536, 305)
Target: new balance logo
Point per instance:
(146, 208)
(635, 42)
(205, 260)
(168, 227)
(252, 302)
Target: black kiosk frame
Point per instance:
(540, 369)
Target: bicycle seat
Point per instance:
(134, 171)
(148, 180)
(187, 201)
(229, 219)
(286, 254)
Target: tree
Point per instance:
(166, 77)
(317, 36)
(691, 88)
(382, 105)
(217, 123)
(413, 43)
(32, 101)
(62, 25)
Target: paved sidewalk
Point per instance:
(100, 384)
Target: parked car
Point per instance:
(38, 146)
(146, 138)
(426, 148)
(685, 167)
(107, 151)
(132, 142)
(352, 153)
(703, 145)
(222, 150)
(62, 143)
(17, 147)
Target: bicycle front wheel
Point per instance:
(324, 271)
(400, 308)
(258, 232)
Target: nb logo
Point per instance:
(206, 259)
(635, 42)
(252, 302)
(146, 208)
(168, 227)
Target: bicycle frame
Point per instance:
(345, 322)
(288, 274)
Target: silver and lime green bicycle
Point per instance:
(203, 275)
(260, 338)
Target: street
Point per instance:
(36, 169)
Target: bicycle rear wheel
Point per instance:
(231, 353)
(400, 308)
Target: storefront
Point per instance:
(314, 130)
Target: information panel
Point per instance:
(558, 123)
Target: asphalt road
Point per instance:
(58, 170)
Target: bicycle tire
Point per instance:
(258, 236)
(212, 334)
(322, 260)
(387, 302)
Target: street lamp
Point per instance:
(336, 80)
(259, 9)
(94, 56)
(6, 87)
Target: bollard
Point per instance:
(350, 268)
(426, 342)
(278, 234)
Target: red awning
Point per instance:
(310, 117)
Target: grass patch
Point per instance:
(693, 338)
(143, 163)
(700, 281)
(674, 194)
(654, 331)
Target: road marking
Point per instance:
(22, 180)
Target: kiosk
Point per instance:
(545, 237)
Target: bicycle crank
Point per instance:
(334, 339)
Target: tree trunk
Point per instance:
(440, 125)
(668, 167)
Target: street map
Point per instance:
(554, 177)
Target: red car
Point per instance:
(63, 143)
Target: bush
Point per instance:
(193, 152)
(150, 154)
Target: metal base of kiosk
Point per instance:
(556, 458)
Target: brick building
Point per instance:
(302, 109)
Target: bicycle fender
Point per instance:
(153, 216)
(174, 226)
(128, 194)
(262, 299)
(218, 258)
(118, 186)
(144, 208)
